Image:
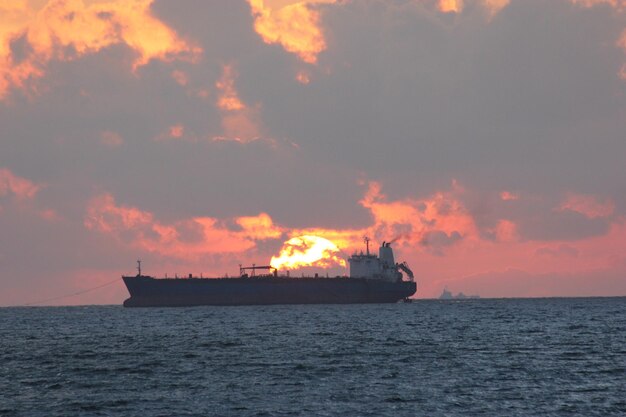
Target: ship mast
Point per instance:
(366, 239)
(138, 268)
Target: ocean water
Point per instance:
(526, 357)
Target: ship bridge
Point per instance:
(381, 267)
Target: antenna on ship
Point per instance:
(138, 268)
(367, 244)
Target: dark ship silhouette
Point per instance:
(372, 279)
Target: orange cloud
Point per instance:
(239, 121)
(261, 226)
(186, 239)
(492, 7)
(228, 99)
(12, 185)
(587, 205)
(293, 25)
(67, 29)
(420, 224)
(413, 219)
(451, 6)
(431, 223)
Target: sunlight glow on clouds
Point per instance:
(440, 219)
(295, 27)
(431, 224)
(167, 131)
(240, 122)
(492, 7)
(186, 239)
(451, 6)
(66, 29)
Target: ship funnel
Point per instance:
(385, 253)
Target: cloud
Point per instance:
(507, 196)
(186, 239)
(111, 139)
(67, 29)
(432, 224)
(561, 250)
(296, 27)
(493, 7)
(506, 231)
(451, 6)
(239, 121)
(439, 220)
(358, 129)
(618, 4)
(14, 186)
(587, 205)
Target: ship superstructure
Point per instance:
(381, 267)
(372, 279)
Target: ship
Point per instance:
(371, 279)
(447, 295)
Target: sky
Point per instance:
(485, 138)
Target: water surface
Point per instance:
(434, 358)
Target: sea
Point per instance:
(485, 357)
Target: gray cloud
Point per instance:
(530, 102)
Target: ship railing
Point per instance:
(254, 268)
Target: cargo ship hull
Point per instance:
(150, 292)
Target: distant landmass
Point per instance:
(447, 295)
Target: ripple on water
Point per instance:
(489, 357)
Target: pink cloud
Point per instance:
(436, 234)
(506, 231)
(587, 205)
(187, 239)
(11, 184)
(509, 196)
